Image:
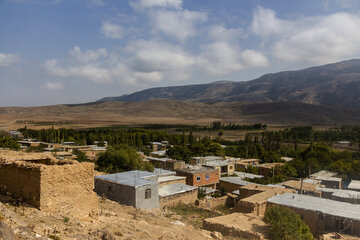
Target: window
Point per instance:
(198, 178)
(207, 177)
(109, 188)
(230, 167)
(148, 193)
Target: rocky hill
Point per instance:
(336, 84)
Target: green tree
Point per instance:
(8, 142)
(80, 155)
(121, 158)
(286, 225)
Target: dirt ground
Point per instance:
(114, 221)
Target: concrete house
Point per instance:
(199, 175)
(322, 215)
(134, 188)
(222, 166)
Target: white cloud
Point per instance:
(54, 85)
(147, 62)
(111, 30)
(177, 4)
(8, 59)
(178, 24)
(314, 40)
(253, 58)
(151, 56)
(219, 32)
(88, 55)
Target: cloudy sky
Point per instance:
(72, 51)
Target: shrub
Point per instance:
(286, 225)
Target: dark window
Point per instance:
(147, 193)
(198, 178)
(109, 188)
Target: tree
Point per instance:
(286, 225)
(8, 142)
(121, 158)
(80, 155)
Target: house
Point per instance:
(256, 204)
(322, 215)
(301, 187)
(199, 175)
(340, 195)
(204, 160)
(330, 182)
(156, 146)
(134, 188)
(354, 185)
(323, 173)
(232, 183)
(268, 169)
(160, 153)
(166, 163)
(224, 167)
(242, 164)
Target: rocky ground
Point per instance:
(114, 221)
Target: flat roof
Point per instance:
(297, 185)
(354, 184)
(341, 193)
(247, 175)
(325, 206)
(134, 178)
(331, 179)
(218, 163)
(209, 158)
(169, 178)
(323, 173)
(235, 180)
(176, 188)
(196, 169)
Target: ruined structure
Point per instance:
(238, 225)
(49, 184)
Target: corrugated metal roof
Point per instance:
(325, 206)
(175, 188)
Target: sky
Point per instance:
(75, 51)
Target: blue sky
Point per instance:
(72, 51)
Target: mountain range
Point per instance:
(336, 84)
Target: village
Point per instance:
(54, 182)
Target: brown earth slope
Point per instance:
(174, 112)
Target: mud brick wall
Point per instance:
(21, 181)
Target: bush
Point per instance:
(201, 193)
(80, 155)
(286, 225)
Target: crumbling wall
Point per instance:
(187, 198)
(51, 185)
(69, 189)
(232, 231)
(21, 181)
(212, 202)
